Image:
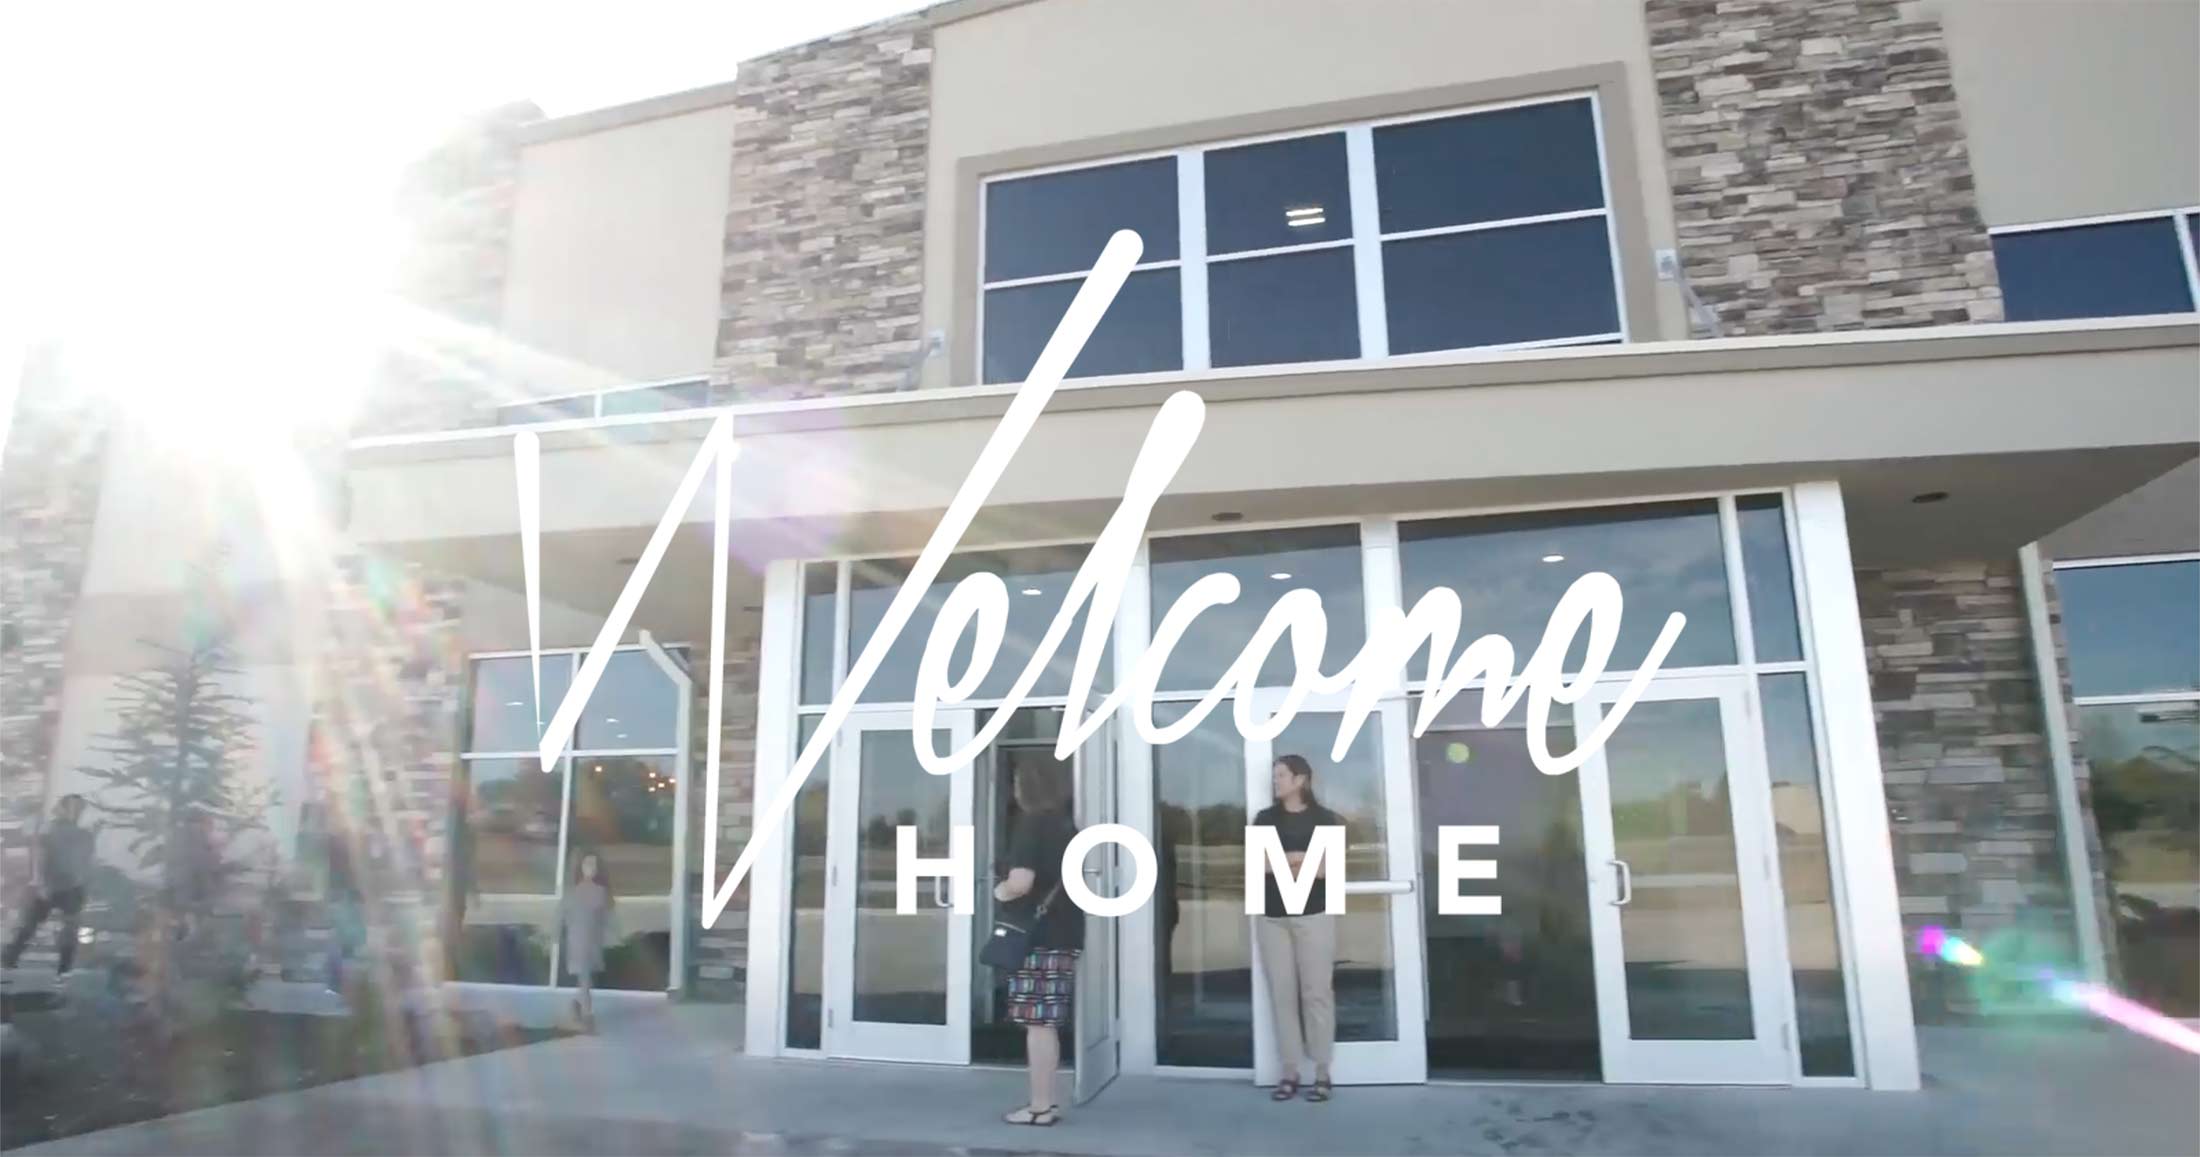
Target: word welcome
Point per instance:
(978, 606)
(1264, 856)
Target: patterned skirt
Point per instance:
(1045, 988)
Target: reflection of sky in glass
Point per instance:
(1325, 560)
(504, 700)
(2132, 629)
(634, 706)
(2167, 733)
(1771, 586)
(1511, 569)
(1038, 579)
(897, 791)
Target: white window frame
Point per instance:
(2179, 218)
(677, 754)
(1365, 238)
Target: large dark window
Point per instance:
(1476, 228)
(2110, 269)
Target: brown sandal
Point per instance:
(1285, 1089)
(1320, 1091)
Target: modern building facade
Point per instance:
(1861, 334)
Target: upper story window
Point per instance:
(2112, 267)
(1490, 227)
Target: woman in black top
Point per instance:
(1041, 993)
(1299, 952)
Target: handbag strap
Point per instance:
(1040, 912)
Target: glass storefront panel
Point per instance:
(1511, 569)
(1766, 574)
(820, 599)
(1038, 580)
(2133, 629)
(634, 706)
(504, 713)
(622, 810)
(1366, 981)
(899, 959)
(508, 886)
(1512, 994)
(2145, 764)
(1203, 956)
(1806, 879)
(1687, 964)
(806, 914)
(1267, 565)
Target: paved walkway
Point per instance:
(667, 1079)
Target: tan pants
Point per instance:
(1300, 956)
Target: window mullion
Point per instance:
(1191, 244)
(1367, 244)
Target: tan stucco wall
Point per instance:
(2078, 107)
(617, 240)
(1131, 74)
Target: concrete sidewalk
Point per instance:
(668, 1079)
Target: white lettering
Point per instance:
(1264, 851)
(1144, 869)
(979, 604)
(956, 867)
(1451, 871)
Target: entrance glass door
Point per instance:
(1683, 908)
(1381, 1029)
(898, 985)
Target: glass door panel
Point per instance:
(621, 809)
(1380, 1029)
(1683, 907)
(901, 984)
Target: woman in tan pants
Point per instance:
(1299, 952)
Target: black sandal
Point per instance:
(1320, 1091)
(1285, 1089)
(1042, 1118)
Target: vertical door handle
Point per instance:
(1626, 880)
(939, 892)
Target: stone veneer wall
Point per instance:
(823, 288)
(1969, 779)
(718, 956)
(1821, 178)
(50, 474)
(456, 205)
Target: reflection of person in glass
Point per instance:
(587, 927)
(1299, 953)
(1043, 991)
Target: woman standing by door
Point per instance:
(1299, 952)
(1042, 993)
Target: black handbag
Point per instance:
(1010, 942)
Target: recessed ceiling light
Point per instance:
(610, 719)
(515, 703)
(1033, 591)
(1930, 497)
(1554, 558)
(622, 735)
(1281, 576)
(1227, 516)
